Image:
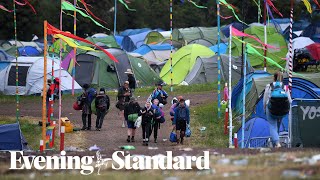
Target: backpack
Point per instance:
(182, 114)
(102, 103)
(278, 104)
(91, 95)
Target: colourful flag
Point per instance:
(308, 6)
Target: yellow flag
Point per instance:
(73, 43)
(308, 6)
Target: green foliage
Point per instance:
(150, 13)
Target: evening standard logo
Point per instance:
(119, 161)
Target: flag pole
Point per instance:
(44, 91)
(17, 67)
(230, 82)
(291, 53)
(59, 119)
(244, 96)
(115, 18)
(74, 49)
(265, 34)
(171, 47)
(219, 61)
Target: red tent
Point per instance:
(314, 50)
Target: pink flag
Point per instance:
(269, 2)
(236, 32)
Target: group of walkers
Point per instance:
(151, 115)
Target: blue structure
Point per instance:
(129, 32)
(118, 39)
(297, 26)
(312, 31)
(131, 43)
(28, 51)
(223, 48)
(5, 56)
(11, 137)
(255, 132)
(146, 48)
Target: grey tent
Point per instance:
(205, 70)
(203, 42)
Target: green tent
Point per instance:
(108, 41)
(186, 35)
(183, 61)
(273, 38)
(98, 69)
(153, 37)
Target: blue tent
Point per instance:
(146, 48)
(256, 132)
(11, 137)
(236, 99)
(28, 51)
(313, 32)
(129, 32)
(119, 39)
(301, 88)
(297, 26)
(131, 43)
(226, 30)
(223, 48)
(5, 56)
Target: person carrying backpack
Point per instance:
(124, 94)
(276, 103)
(86, 99)
(181, 120)
(102, 102)
(147, 117)
(156, 119)
(159, 94)
(132, 108)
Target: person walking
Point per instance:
(147, 117)
(159, 94)
(156, 119)
(124, 94)
(175, 103)
(181, 120)
(131, 80)
(131, 108)
(86, 99)
(102, 102)
(276, 102)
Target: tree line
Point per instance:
(149, 13)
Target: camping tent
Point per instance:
(23, 51)
(183, 61)
(108, 41)
(274, 39)
(205, 70)
(256, 132)
(131, 43)
(297, 28)
(226, 30)
(223, 48)
(97, 68)
(153, 37)
(129, 32)
(31, 76)
(282, 23)
(185, 35)
(11, 138)
(8, 44)
(5, 56)
(312, 31)
(201, 42)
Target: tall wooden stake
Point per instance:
(44, 91)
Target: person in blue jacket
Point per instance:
(181, 120)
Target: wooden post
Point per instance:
(44, 91)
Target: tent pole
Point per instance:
(115, 18)
(219, 61)
(171, 47)
(244, 97)
(230, 82)
(17, 67)
(265, 34)
(290, 47)
(44, 91)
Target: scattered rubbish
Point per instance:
(293, 174)
(203, 128)
(164, 140)
(242, 162)
(152, 148)
(206, 172)
(94, 148)
(233, 174)
(263, 150)
(127, 147)
(185, 149)
(314, 159)
(171, 178)
(224, 161)
(71, 148)
(203, 131)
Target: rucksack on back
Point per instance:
(279, 104)
(183, 114)
(102, 103)
(91, 94)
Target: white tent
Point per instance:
(31, 76)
